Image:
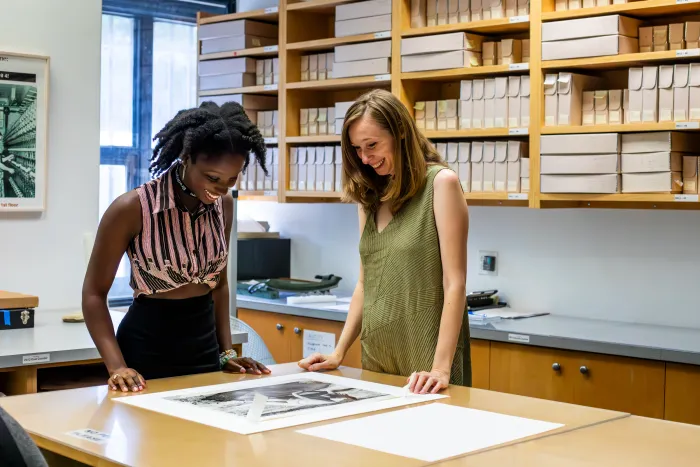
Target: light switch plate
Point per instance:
(488, 263)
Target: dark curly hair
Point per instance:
(211, 130)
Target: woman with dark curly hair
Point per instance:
(175, 231)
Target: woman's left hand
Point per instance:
(428, 382)
(246, 365)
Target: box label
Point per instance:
(270, 87)
(382, 35)
(686, 198)
(385, 77)
(683, 2)
(270, 140)
(272, 9)
(269, 193)
(518, 196)
(519, 19)
(36, 359)
(271, 48)
(687, 125)
(88, 434)
(688, 53)
(517, 131)
(518, 66)
(519, 338)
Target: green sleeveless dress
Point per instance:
(404, 293)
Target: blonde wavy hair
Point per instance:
(413, 153)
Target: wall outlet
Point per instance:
(488, 263)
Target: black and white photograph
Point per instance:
(283, 399)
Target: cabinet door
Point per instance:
(299, 324)
(531, 371)
(682, 400)
(480, 355)
(275, 330)
(620, 383)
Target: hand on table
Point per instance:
(246, 365)
(428, 382)
(317, 362)
(126, 379)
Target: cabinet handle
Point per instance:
(583, 370)
(279, 326)
(297, 331)
(556, 367)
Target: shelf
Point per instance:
(316, 6)
(615, 197)
(343, 83)
(313, 139)
(475, 133)
(625, 128)
(269, 51)
(265, 14)
(620, 201)
(314, 194)
(497, 199)
(459, 73)
(489, 26)
(610, 62)
(639, 9)
(258, 195)
(267, 89)
(331, 42)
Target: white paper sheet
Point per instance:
(431, 432)
(292, 400)
(317, 341)
(339, 307)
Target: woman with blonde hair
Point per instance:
(409, 303)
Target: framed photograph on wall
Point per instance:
(24, 98)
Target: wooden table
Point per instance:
(144, 438)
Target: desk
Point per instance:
(143, 438)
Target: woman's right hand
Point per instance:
(127, 380)
(317, 362)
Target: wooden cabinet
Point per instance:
(284, 334)
(682, 398)
(615, 383)
(480, 356)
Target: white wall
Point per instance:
(43, 254)
(636, 266)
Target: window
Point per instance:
(149, 73)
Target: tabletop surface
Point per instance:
(142, 437)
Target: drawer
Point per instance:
(682, 399)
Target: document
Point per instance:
(317, 341)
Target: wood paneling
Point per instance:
(480, 356)
(682, 393)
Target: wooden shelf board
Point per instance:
(312, 139)
(254, 52)
(257, 195)
(475, 133)
(331, 42)
(314, 194)
(615, 197)
(458, 73)
(265, 14)
(625, 128)
(639, 9)
(617, 201)
(501, 25)
(316, 6)
(617, 61)
(496, 199)
(246, 90)
(342, 83)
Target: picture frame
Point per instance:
(24, 110)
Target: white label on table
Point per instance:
(385, 77)
(88, 434)
(317, 341)
(518, 66)
(686, 198)
(687, 125)
(36, 359)
(271, 48)
(517, 131)
(272, 9)
(270, 87)
(517, 196)
(382, 35)
(519, 19)
(519, 338)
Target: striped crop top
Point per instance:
(174, 247)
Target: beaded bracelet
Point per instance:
(226, 356)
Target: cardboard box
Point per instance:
(465, 104)
(320, 167)
(431, 15)
(233, 80)
(676, 36)
(339, 126)
(363, 51)
(501, 103)
(589, 47)
(442, 12)
(690, 174)
(589, 3)
(664, 161)
(692, 34)
(526, 51)
(582, 164)
(463, 11)
(488, 53)
(592, 143)
(523, 7)
(501, 171)
(626, 105)
(516, 149)
(419, 114)
(561, 5)
(650, 93)
(418, 14)
(313, 122)
(660, 38)
(366, 9)
(478, 104)
(328, 168)
(373, 66)
(601, 107)
(498, 9)
(275, 169)
(485, 9)
(570, 87)
(451, 113)
(514, 102)
(268, 71)
(666, 93)
(440, 61)
(305, 67)
(227, 66)
(313, 67)
(694, 92)
(510, 51)
(260, 178)
(658, 141)
(476, 10)
(441, 43)
(293, 168)
(646, 39)
(311, 167)
(511, 8)
(597, 26)
(489, 103)
(452, 156)
(588, 108)
(681, 73)
(238, 28)
(367, 25)
(303, 168)
(260, 121)
(609, 183)
(338, 169)
(489, 159)
(252, 176)
(575, 4)
(660, 182)
(330, 59)
(464, 165)
(635, 104)
(525, 101)
(441, 115)
(477, 158)
(322, 67)
(229, 44)
(551, 100)
(275, 70)
(322, 121)
(341, 108)
(431, 115)
(524, 183)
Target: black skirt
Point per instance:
(161, 338)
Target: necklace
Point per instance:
(180, 182)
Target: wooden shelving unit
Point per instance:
(268, 89)
(306, 27)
